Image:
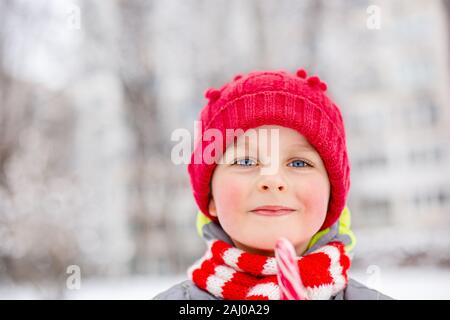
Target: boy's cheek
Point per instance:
(230, 194)
(314, 194)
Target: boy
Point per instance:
(284, 174)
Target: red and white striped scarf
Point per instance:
(233, 274)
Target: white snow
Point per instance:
(399, 283)
(407, 283)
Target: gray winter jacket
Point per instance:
(187, 290)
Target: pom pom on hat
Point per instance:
(212, 94)
(314, 80)
(301, 73)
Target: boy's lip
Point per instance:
(272, 210)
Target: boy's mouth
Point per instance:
(272, 210)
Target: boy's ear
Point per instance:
(212, 208)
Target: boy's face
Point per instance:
(297, 179)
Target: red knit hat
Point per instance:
(276, 98)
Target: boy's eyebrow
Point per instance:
(244, 144)
(296, 147)
(299, 146)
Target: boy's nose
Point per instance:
(266, 187)
(273, 184)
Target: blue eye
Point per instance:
(299, 164)
(245, 162)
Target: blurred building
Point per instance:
(397, 113)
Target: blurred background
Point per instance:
(91, 205)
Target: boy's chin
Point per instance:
(264, 246)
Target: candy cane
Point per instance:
(289, 281)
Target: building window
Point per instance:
(372, 161)
(418, 156)
(424, 114)
(443, 197)
(433, 198)
(377, 211)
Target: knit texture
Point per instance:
(232, 274)
(275, 98)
